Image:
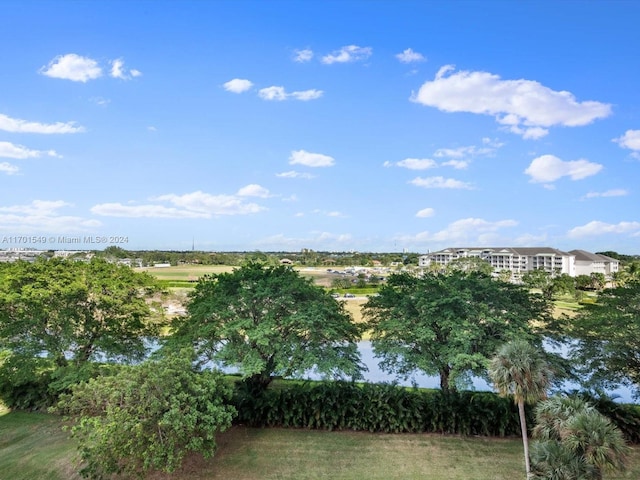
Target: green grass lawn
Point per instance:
(33, 447)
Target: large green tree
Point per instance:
(521, 370)
(268, 321)
(607, 336)
(147, 417)
(74, 311)
(448, 324)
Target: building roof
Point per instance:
(584, 256)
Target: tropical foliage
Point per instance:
(574, 441)
(270, 321)
(448, 324)
(522, 371)
(376, 408)
(607, 336)
(147, 417)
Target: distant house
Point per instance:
(286, 261)
(587, 263)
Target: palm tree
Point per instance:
(575, 441)
(521, 370)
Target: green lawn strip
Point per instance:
(34, 446)
(283, 454)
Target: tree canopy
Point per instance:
(147, 417)
(448, 325)
(72, 310)
(607, 336)
(267, 321)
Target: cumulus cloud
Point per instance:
(15, 125)
(409, 56)
(191, 205)
(72, 67)
(413, 163)
(279, 93)
(440, 182)
(630, 140)
(294, 174)
(118, 70)
(11, 150)
(525, 107)
(302, 56)
(237, 85)
(302, 157)
(616, 192)
(549, 168)
(348, 54)
(8, 169)
(470, 231)
(43, 216)
(253, 190)
(601, 228)
(425, 213)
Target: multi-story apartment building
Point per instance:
(515, 259)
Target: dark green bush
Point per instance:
(377, 408)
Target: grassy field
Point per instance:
(33, 447)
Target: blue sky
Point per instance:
(352, 125)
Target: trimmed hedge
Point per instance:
(378, 408)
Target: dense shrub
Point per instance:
(377, 408)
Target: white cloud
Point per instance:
(601, 228)
(630, 140)
(279, 93)
(457, 164)
(144, 211)
(8, 168)
(425, 213)
(440, 182)
(302, 157)
(11, 150)
(467, 151)
(303, 55)
(15, 125)
(466, 231)
(348, 54)
(409, 56)
(72, 67)
(42, 216)
(212, 204)
(526, 107)
(253, 190)
(237, 85)
(616, 192)
(413, 163)
(191, 205)
(549, 168)
(273, 93)
(305, 95)
(294, 174)
(118, 70)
